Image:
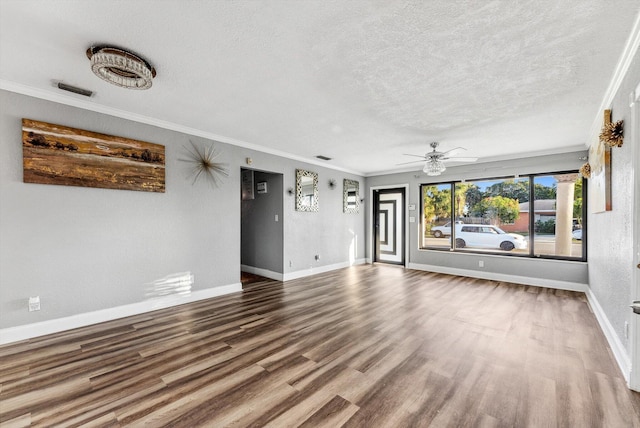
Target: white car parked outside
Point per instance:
(487, 236)
(444, 230)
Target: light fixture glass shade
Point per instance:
(434, 167)
(120, 67)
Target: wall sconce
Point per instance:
(290, 191)
(612, 134)
(362, 200)
(585, 170)
(332, 183)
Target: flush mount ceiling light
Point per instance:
(121, 67)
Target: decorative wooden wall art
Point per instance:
(600, 181)
(55, 154)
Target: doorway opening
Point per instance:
(261, 229)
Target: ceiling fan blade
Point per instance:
(453, 152)
(417, 156)
(459, 159)
(406, 163)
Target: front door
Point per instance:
(389, 225)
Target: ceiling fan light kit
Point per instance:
(434, 167)
(121, 67)
(434, 160)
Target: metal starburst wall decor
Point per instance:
(203, 162)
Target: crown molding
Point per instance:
(628, 53)
(86, 104)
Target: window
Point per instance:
(558, 215)
(529, 216)
(436, 210)
(494, 204)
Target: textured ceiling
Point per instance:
(361, 82)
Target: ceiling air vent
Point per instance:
(323, 157)
(74, 89)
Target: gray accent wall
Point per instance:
(262, 234)
(336, 237)
(611, 233)
(535, 269)
(84, 249)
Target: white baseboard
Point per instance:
(617, 347)
(28, 331)
(262, 272)
(320, 269)
(525, 280)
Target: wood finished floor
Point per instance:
(369, 346)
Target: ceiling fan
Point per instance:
(434, 160)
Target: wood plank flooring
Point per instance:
(368, 346)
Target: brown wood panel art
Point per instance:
(600, 180)
(55, 154)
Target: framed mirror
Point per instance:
(351, 196)
(306, 190)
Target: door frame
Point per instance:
(370, 227)
(267, 273)
(634, 346)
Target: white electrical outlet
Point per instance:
(480, 263)
(34, 303)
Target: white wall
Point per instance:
(611, 233)
(84, 249)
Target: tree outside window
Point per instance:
(545, 214)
